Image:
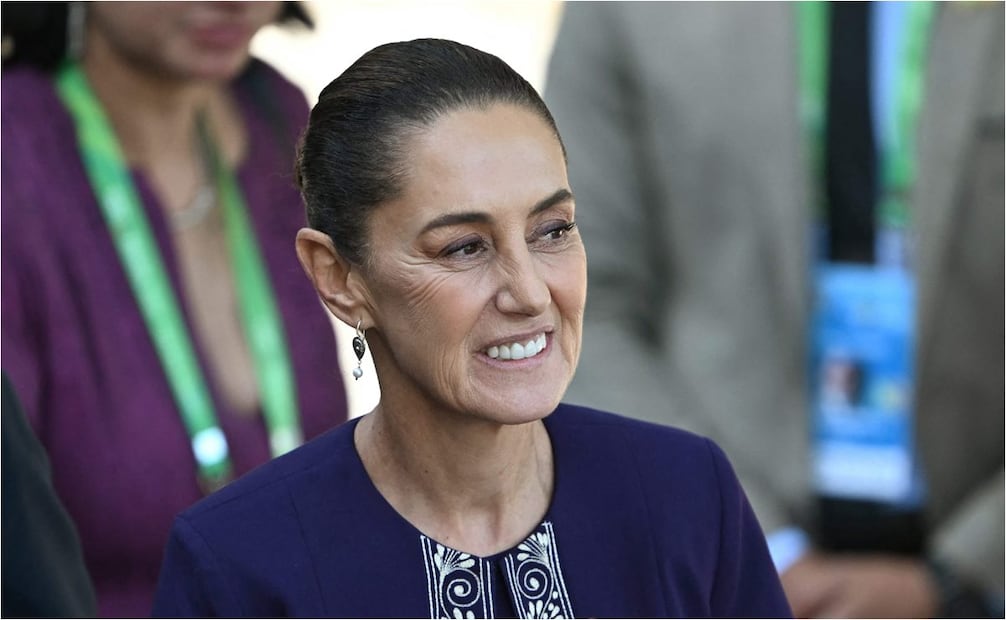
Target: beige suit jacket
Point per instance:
(686, 159)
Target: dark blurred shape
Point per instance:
(43, 567)
(34, 32)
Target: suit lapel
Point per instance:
(951, 97)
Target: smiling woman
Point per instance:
(443, 228)
(464, 260)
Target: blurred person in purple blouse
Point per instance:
(155, 320)
(443, 228)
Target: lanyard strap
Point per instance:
(898, 166)
(141, 260)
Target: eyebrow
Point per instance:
(481, 217)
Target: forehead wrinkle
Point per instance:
(479, 217)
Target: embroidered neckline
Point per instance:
(455, 576)
(460, 584)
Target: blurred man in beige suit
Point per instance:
(689, 166)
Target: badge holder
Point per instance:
(865, 468)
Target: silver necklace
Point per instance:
(196, 211)
(205, 200)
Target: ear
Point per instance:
(335, 278)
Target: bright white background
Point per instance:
(521, 32)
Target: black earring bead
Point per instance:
(358, 347)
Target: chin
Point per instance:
(526, 408)
(220, 68)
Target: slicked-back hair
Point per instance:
(354, 152)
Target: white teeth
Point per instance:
(517, 350)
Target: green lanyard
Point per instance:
(139, 255)
(898, 167)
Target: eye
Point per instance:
(465, 247)
(561, 231)
(557, 232)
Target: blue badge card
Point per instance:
(862, 350)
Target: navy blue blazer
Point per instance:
(645, 521)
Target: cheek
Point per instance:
(439, 306)
(429, 320)
(424, 299)
(568, 284)
(134, 32)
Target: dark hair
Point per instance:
(352, 155)
(34, 33)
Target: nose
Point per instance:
(522, 288)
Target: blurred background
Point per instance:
(706, 181)
(521, 33)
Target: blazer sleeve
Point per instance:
(971, 540)
(745, 584)
(190, 584)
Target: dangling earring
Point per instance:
(75, 27)
(359, 347)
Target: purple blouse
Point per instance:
(77, 349)
(645, 522)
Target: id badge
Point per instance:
(863, 343)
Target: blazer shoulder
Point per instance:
(267, 485)
(606, 426)
(661, 457)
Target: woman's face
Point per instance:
(477, 262)
(184, 40)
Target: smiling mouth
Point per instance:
(518, 350)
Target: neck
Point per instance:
(153, 115)
(475, 485)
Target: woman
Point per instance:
(154, 320)
(443, 229)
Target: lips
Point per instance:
(518, 350)
(221, 35)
